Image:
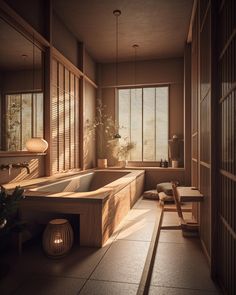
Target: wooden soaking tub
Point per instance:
(100, 198)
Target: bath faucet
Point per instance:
(6, 167)
(22, 165)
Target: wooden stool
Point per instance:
(189, 227)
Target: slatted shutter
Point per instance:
(226, 19)
(64, 115)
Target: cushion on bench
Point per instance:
(151, 194)
(165, 187)
(165, 198)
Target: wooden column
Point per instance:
(187, 113)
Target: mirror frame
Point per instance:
(22, 27)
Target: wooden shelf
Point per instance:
(189, 194)
(20, 154)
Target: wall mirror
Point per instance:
(21, 89)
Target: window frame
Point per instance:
(144, 163)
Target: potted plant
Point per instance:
(106, 131)
(9, 221)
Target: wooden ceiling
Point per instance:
(159, 27)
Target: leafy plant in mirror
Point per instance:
(12, 120)
(9, 204)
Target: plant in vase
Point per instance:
(105, 129)
(124, 149)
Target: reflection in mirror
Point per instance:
(21, 89)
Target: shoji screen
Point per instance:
(205, 124)
(64, 116)
(226, 20)
(195, 82)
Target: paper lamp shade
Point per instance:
(36, 145)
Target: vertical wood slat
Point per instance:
(76, 112)
(64, 104)
(205, 134)
(194, 109)
(67, 120)
(54, 117)
(72, 120)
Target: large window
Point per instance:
(143, 120)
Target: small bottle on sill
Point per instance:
(166, 164)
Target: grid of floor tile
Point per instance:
(117, 267)
(180, 266)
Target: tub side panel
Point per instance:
(114, 210)
(137, 187)
(40, 211)
(91, 226)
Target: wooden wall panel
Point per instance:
(205, 208)
(226, 270)
(65, 113)
(195, 146)
(205, 134)
(194, 173)
(72, 120)
(54, 124)
(204, 5)
(194, 108)
(205, 131)
(76, 122)
(227, 116)
(226, 215)
(205, 56)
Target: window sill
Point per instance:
(147, 168)
(6, 154)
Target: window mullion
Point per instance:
(142, 125)
(21, 129)
(155, 122)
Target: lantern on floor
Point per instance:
(58, 238)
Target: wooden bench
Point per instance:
(189, 227)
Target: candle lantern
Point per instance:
(58, 238)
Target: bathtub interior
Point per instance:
(82, 183)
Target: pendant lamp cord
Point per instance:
(33, 64)
(117, 13)
(117, 33)
(135, 46)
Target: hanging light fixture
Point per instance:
(35, 144)
(117, 13)
(135, 47)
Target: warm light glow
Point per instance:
(58, 238)
(36, 145)
(58, 241)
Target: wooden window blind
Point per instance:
(64, 115)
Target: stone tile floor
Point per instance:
(180, 266)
